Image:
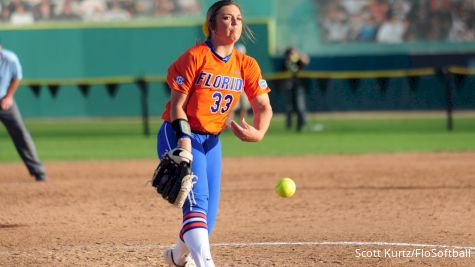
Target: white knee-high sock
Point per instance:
(198, 243)
(180, 251)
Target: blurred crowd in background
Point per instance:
(396, 21)
(29, 11)
(339, 21)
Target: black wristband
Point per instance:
(181, 128)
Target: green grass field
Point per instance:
(101, 139)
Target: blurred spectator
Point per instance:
(401, 9)
(163, 8)
(354, 8)
(440, 5)
(5, 14)
(379, 9)
(188, 7)
(419, 22)
(43, 10)
(335, 23)
(463, 22)
(392, 31)
(410, 20)
(67, 10)
(143, 8)
(13, 4)
(439, 26)
(29, 11)
(21, 15)
(368, 29)
(129, 6)
(354, 27)
(93, 10)
(116, 12)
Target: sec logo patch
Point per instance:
(263, 84)
(179, 80)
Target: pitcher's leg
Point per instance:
(214, 171)
(198, 242)
(194, 231)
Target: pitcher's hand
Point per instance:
(246, 132)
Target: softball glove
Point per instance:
(173, 178)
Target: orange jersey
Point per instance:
(213, 85)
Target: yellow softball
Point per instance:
(285, 187)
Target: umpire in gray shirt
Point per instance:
(10, 76)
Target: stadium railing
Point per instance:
(448, 76)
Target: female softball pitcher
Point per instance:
(206, 83)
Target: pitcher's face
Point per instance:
(228, 24)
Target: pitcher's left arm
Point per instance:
(262, 110)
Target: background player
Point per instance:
(294, 62)
(206, 83)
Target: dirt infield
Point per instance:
(414, 209)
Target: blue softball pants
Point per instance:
(206, 165)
